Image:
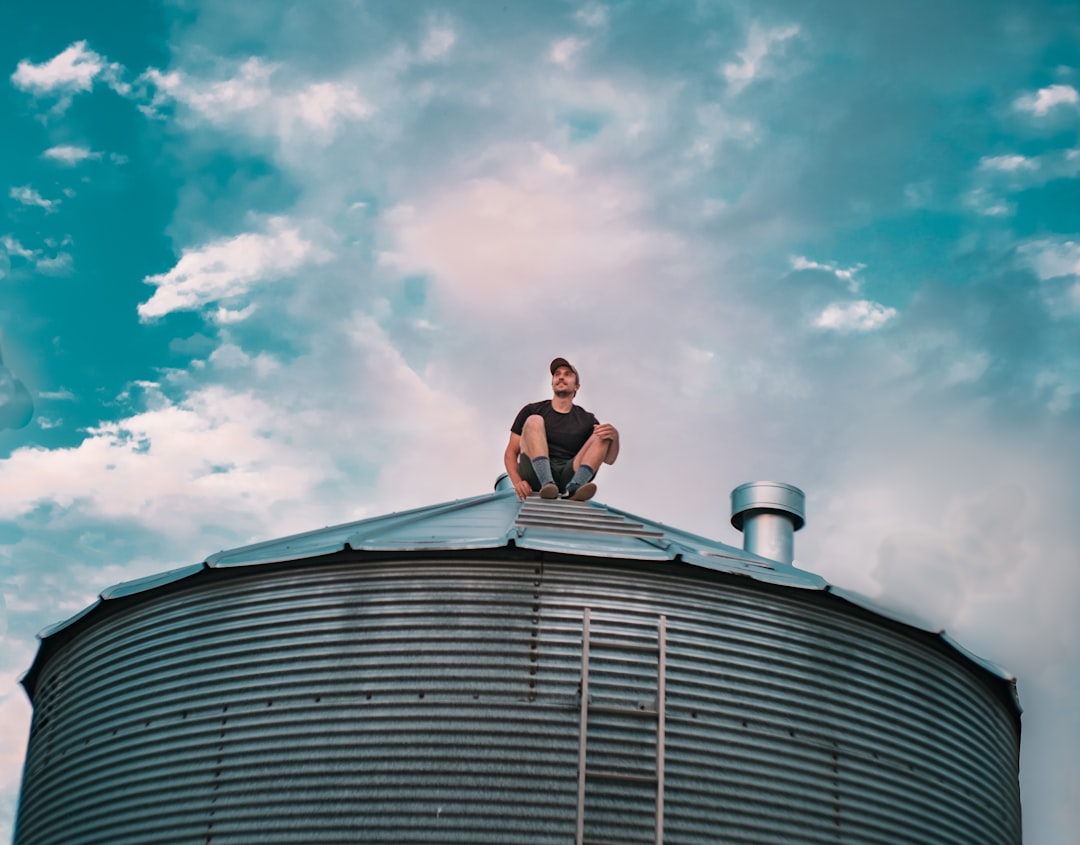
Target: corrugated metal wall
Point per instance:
(438, 702)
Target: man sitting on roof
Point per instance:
(556, 446)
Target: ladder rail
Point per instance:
(661, 710)
(583, 733)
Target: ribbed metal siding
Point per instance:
(792, 722)
(437, 702)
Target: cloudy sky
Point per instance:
(268, 266)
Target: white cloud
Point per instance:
(752, 58)
(844, 274)
(69, 155)
(718, 126)
(1042, 101)
(985, 202)
(73, 71)
(552, 163)
(58, 265)
(160, 466)
(228, 268)
(592, 15)
(1008, 163)
(1060, 389)
(62, 395)
(919, 194)
(438, 41)
(1052, 259)
(230, 356)
(1010, 173)
(497, 245)
(246, 91)
(1057, 264)
(227, 316)
(564, 50)
(859, 316)
(13, 247)
(14, 710)
(28, 196)
(968, 369)
(253, 101)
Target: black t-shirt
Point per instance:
(566, 433)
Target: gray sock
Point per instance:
(542, 467)
(583, 475)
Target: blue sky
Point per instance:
(268, 266)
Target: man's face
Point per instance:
(564, 382)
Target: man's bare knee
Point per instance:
(535, 423)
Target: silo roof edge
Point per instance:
(496, 520)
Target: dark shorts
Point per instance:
(562, 470)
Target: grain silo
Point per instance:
(492, 671)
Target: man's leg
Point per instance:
(534, 445)
(586, 463)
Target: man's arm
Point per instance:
(510, 462)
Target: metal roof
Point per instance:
(499, 520)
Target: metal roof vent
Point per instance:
(768, 513)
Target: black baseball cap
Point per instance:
(562, 362)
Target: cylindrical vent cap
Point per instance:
(768, 513)
(503, 483)
(770, 496)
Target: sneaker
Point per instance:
(549, 491)
(583, 493)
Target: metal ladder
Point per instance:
(588, 775)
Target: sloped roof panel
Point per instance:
(498, 519)
(130, 588)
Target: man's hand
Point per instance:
(605, 431)
(522, 489)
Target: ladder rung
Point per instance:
(624, 645)
(609, 775)
(621, 711)
(604, 842)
